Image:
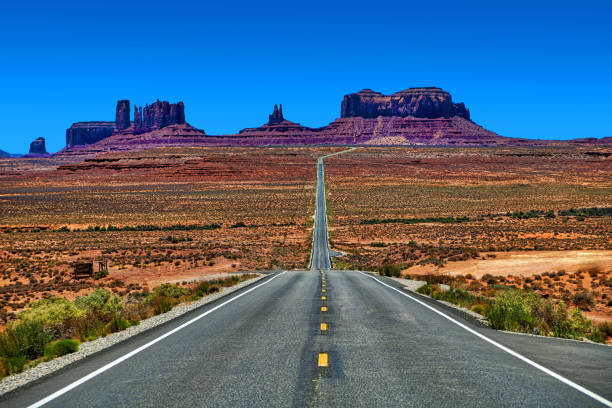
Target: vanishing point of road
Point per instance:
(329, 338)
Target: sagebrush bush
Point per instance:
(60, 348)
(389, 270)
(53, 313)
(512, 311)
(101, 303)
(117, 324)
(165, 296)
(22, 341)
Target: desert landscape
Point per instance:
(537, 219)
(167, 215)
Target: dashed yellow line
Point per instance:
(323, 326)
(323, 297)
(324, 308)
(323, 360)
(324, 284)
(323, 290)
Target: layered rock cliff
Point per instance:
(85, 133)
(416, 102)
(158, 115)
(38, 146)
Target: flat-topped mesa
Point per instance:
(426, 102)
(85, 133)
(158, 115)
(277, 115)
(122, 115)
(38, 146)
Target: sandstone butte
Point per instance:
(415, 116)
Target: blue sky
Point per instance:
(524, 69)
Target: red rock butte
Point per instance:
(415, 116)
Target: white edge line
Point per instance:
(121, 359)
(532, 363)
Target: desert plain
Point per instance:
(531, 218)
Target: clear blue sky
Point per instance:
(524, 69)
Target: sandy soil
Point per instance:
(153, 276)
(523, 263)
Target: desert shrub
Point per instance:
(117, 324)
(583, 300)
(55, 314)
(13, 365)
(606, 327)
(511, 311)
(428, 289)
(136, 309)
(165, 296)
(489, 279)
(580, 323)
(389, 270)
(435, 279)
(87, 328)
(60, 348)
(379, 244)
(23, 340)
(101, 303)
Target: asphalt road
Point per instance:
(320, 250)
(328, 338)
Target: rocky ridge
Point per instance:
(415, 116)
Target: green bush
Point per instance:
(428, 289)
(53, 313)
(117, 324)
(101, 303)
(207, 288)
(389, 270)
(24, 339)
(165, 296)
(14, 365)
(511, 311)
(60, 348)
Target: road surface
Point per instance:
(329, 338)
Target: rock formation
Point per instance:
(122, 115)
(278, 126)
(416, 102)
(38, 146)
(158, 115)
(84, 133)
(276, 116)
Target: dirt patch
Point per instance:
(522, 263)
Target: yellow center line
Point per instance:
(323, 326)
(324, 308)
(323, 290)
(323, 298)
(324, 285)
(323, 360)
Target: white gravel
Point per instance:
(88, 348)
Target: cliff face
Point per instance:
(416, 102)
(155, 116)
(158, 115)
(38, 146)
(122, 115)
(84, 133)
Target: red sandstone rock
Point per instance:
(38, 146)
(415, 102)
(122, 115)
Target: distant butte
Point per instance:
(415, 116)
